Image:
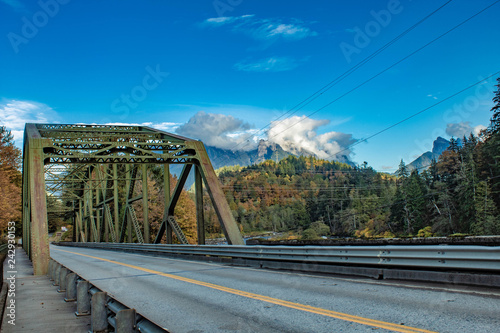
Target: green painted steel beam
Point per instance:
(72, 163)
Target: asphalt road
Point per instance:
(195, 297)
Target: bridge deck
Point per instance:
(186, 296)
(38, 306)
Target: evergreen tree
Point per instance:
(416, 204)
(445, 212)
(491, 148)
(402, 171)
(400, 220)
(487, 220)
(494, 128)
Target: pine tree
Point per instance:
(400, 219)
(415, 190)
(453, 145)
(445, 212)
(494, 128)
(487, 220)
(490, 150)
(402, 171)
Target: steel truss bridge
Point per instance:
(81, 170)
(94, 174)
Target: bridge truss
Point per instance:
(89, 172)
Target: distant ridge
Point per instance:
(424, 161)
(265, 151)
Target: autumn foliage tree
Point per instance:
(185, 210)
(10, 179)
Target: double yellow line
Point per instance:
(292, 305)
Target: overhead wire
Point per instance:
(342, 76)
(332, 83)
(417, 113)
(390, 67)
(422, 196)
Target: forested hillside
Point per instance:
(309, 197)
(303, 192)
(458, 193)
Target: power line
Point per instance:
(341, 77)
(388, 68)
(417, 113)
(422, 196)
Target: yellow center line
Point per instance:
(292, 305)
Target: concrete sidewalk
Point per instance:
(38, 305)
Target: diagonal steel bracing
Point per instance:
(87, 173)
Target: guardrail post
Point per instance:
(125, 321)
(70, 287)
(51, 265)
(99, 316)
(57, 272)
(53, 270)
(62, 280)
(82, 299)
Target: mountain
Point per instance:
(440, 145)
(424, 160)
(264, 151)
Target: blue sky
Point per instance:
(223, 70)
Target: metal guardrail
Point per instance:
(441, 257)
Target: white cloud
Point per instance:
(263, 29)
(165, 126)
(477, 129)
(298, 135)
(271, 30)
(273, 64)
(225, 19)
(459, 130)
(218, 130)
(15, 114)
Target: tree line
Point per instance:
(457, 194)
(309, 197)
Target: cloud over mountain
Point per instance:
(298, 135)
(295, 135)
(464, 128)
(218, 130)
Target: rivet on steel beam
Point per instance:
(99, 315)
(71, 287)
(57, 272)
(125, 321)
(62, 280)
(82, 299)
